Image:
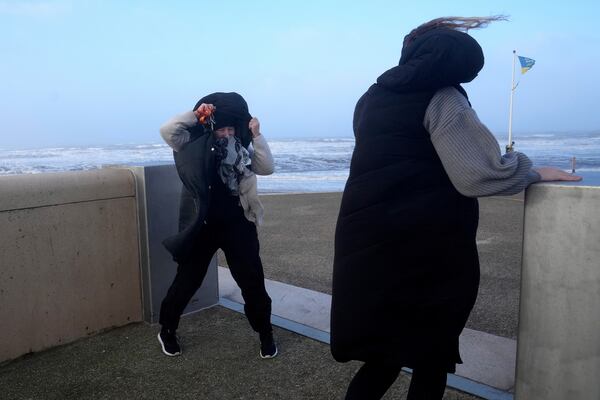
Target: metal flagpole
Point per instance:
(509, 146)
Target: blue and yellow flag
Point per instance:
(526, 64)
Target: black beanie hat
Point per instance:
(231, 110)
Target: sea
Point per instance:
(301, 165)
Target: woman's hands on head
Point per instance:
(205, 110)
(254, 126)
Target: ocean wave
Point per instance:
(314, 181)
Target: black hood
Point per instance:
(232, 110)
(436, 59)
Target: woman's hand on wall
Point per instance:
(555, 174)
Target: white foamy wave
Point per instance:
(79, 158)
(313, 181)
(312, 155)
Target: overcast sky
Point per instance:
(110, 72)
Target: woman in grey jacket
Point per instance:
(218, 150)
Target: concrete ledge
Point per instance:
(37, 190)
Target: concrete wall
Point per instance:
(69, 257)
(558, 354)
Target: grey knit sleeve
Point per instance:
(470, 153)
(176, 131)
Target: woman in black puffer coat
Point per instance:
(406, 268)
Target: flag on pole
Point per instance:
(526, 64)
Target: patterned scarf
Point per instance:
(233, 159)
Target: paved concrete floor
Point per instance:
(220, 361)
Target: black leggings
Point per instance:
(374, 379)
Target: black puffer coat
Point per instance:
(196, 165)
(406, 268)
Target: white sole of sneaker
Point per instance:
(162, 345)
(267, 357)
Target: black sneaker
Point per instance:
(169, 342)
(268, 348)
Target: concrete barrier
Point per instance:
(558, 350)
(69, 257)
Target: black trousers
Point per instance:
(374, 379)
(239, 241)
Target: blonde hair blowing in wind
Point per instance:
(457, 23)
